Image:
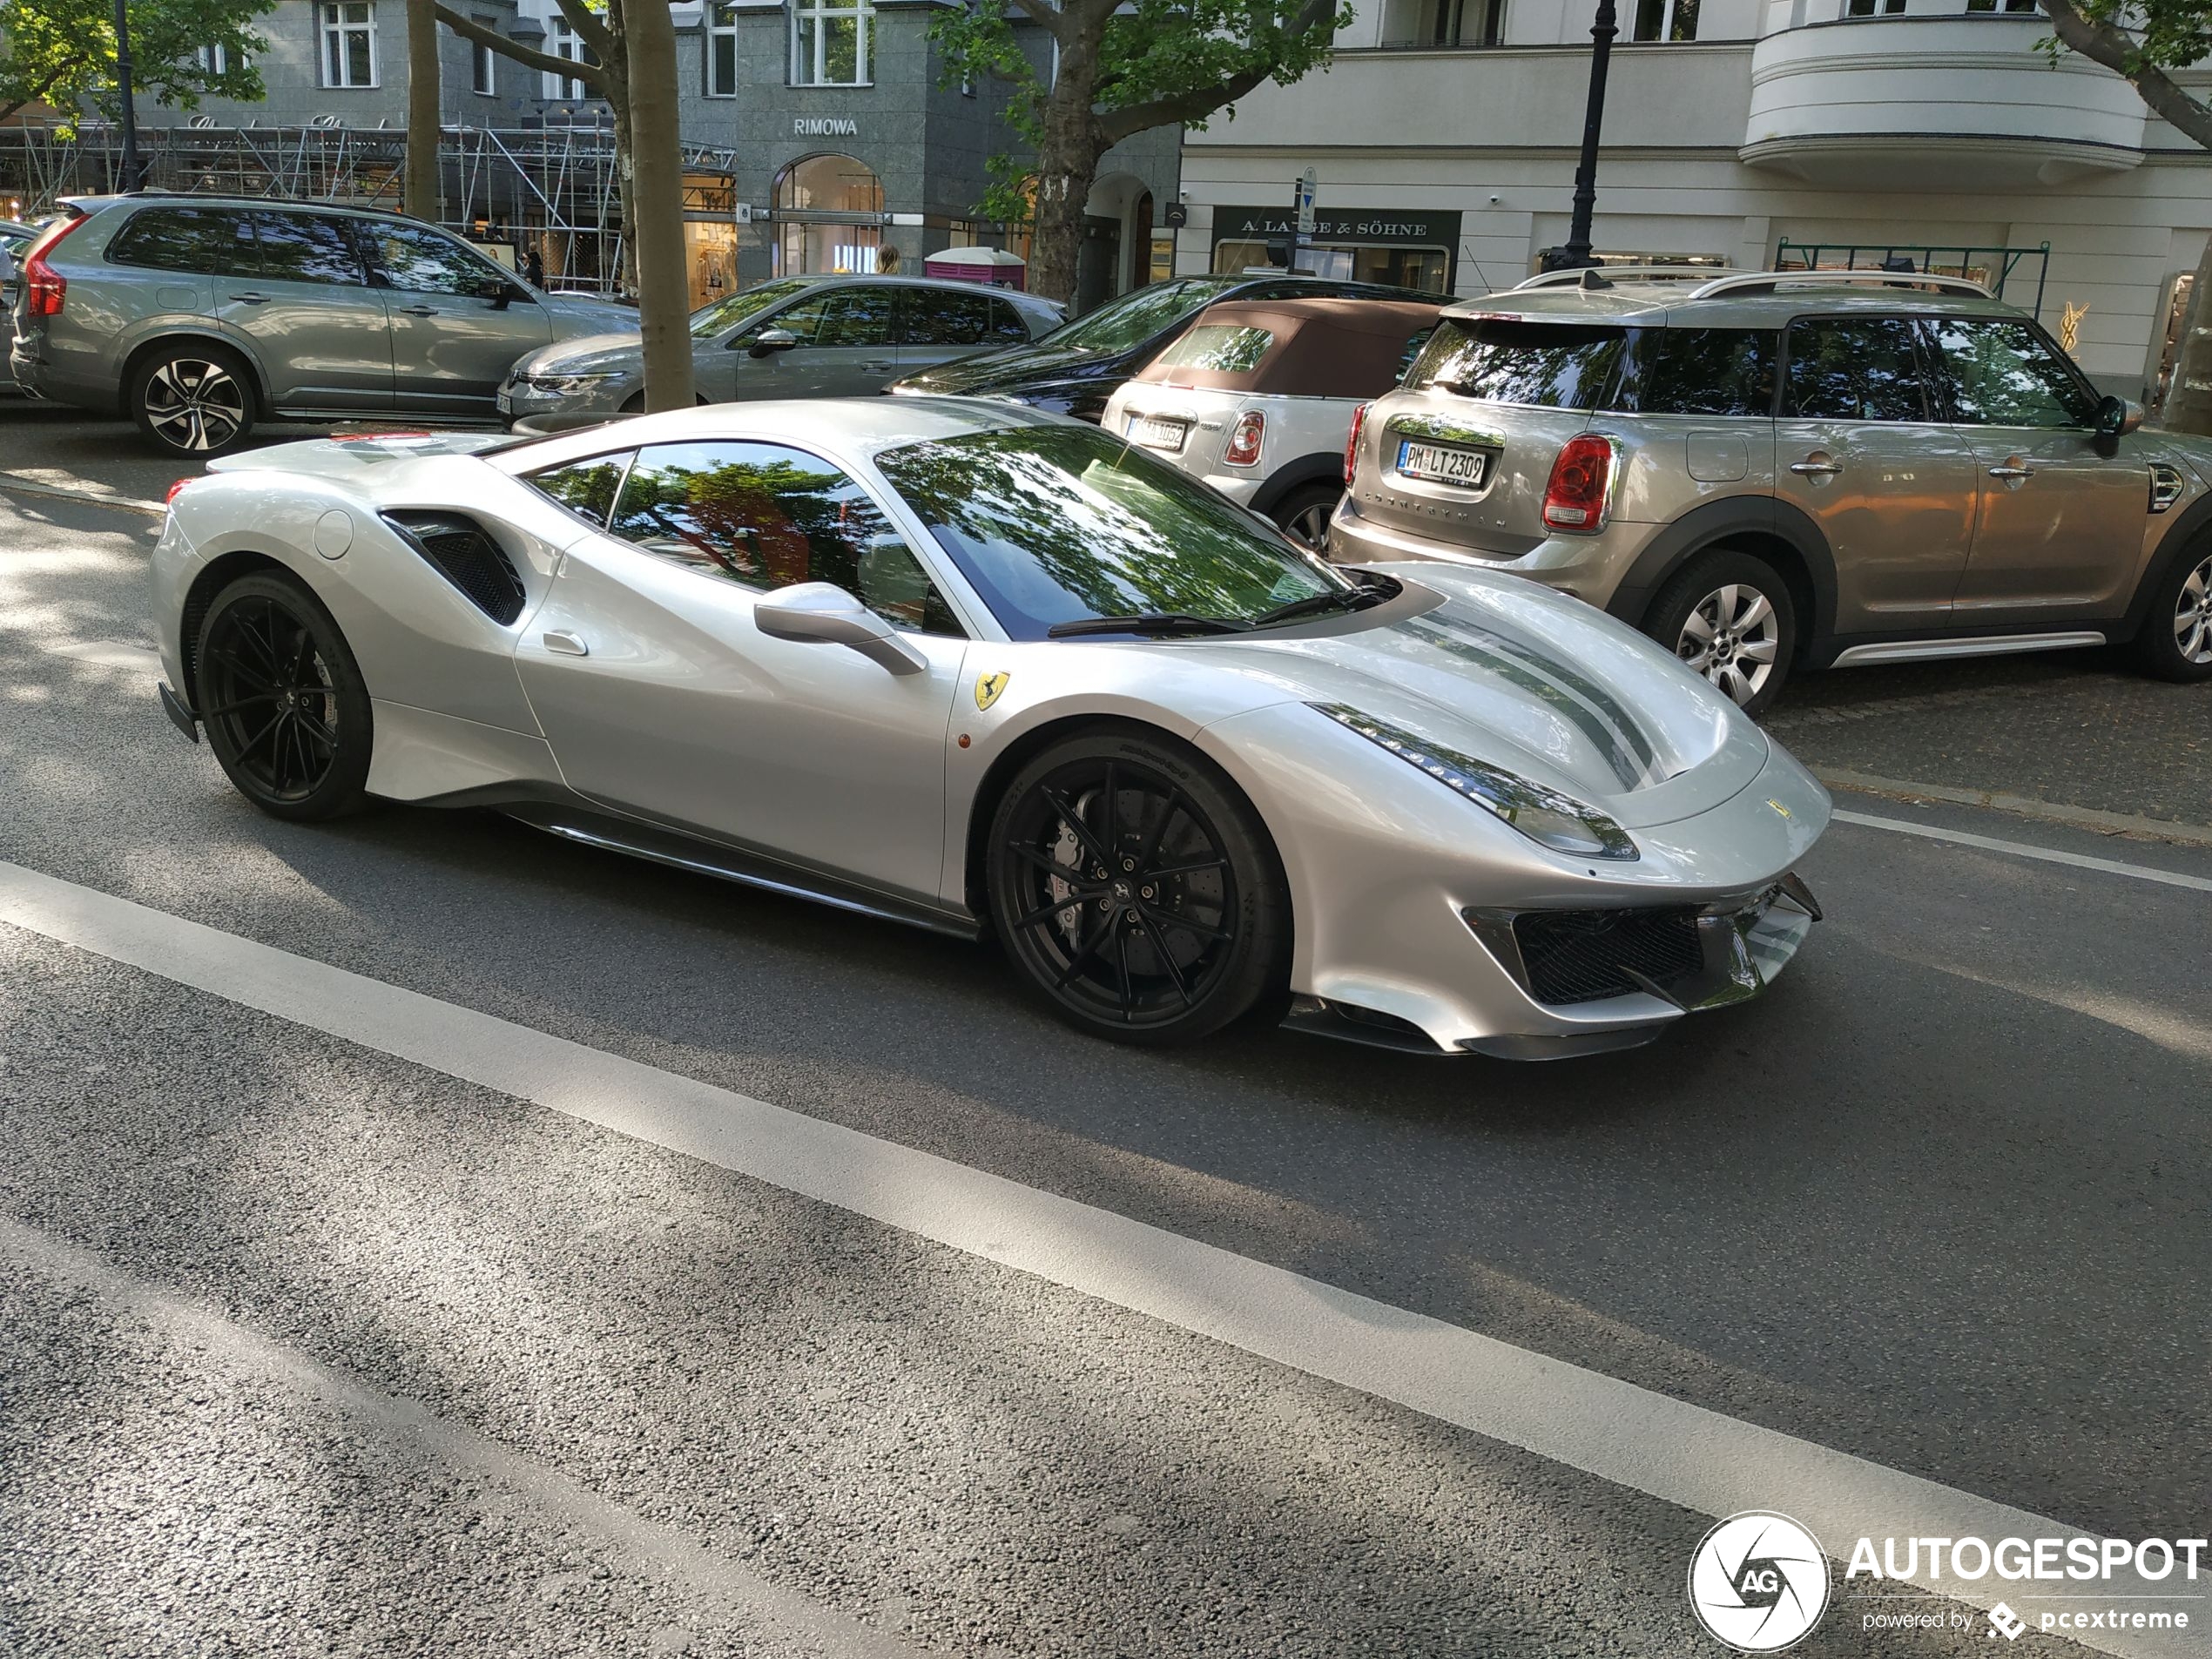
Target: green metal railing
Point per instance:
(1994, 266)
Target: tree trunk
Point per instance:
(1068, 153)
(421, 186)
(2188, 396)
(656, 158)
(618, 96)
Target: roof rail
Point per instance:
(1738, 281)
(1609, 274)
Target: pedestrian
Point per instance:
(887, 261)
(534, 268)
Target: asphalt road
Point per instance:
(311, 1348)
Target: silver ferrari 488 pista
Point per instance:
(994, 672)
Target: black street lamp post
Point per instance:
(132, 178)
(1576, 253)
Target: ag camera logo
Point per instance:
(1758, 1582)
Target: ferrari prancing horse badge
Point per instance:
(988, 687)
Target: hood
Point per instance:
(1018, 371)
(573, 317)
(1529, 680)
(600, 353)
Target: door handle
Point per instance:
(251, 298)
(1815, 469)
(566, 643)
(2011, 471)
(884, 364)
(420, 311)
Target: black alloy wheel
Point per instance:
(1135, 891)
(283, 703)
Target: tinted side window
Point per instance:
(765, 516)
(2003, 374)
(307, 247)
(1702, 371)
(1554, 365)
(936, 318)
(1854, 368)
(418, 260)
(217, 240)
(585, 488)
(1007, 326)
(840, 317)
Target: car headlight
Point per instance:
(1545, 816)
(566, 385)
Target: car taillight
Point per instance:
(173, 489)
(1575, 497)
(1352, 443)
(1245, 439)
(46, 288)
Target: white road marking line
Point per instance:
(1666, 1448)
(647, 1547)
(2026, 850)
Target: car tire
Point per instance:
(1729, 616)
(2177, 640)
(1135, 891)
(193, 399)
(1303, 515)
(282, 700)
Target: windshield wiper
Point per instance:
(1146, 622)
(1359, 598)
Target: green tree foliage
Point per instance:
(1123, 67)
(62, 52)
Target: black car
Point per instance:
(1075, 369)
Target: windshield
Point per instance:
(1135, 318)
(711, 321)
(1053, 524)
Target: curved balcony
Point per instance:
(1936, 97)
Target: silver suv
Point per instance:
(1770, 470)
(197, 315)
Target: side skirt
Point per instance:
(649, 841)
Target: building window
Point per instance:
(483, 62)
(214, 60)
(829, 43)
(562, 41)
(722, 52)
(1409, 24)
(348, 44)
(1875, 9)
(2019, 6)
(1665, 20)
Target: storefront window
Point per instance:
(1427, 268)
(829, 212)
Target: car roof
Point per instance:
(1675, 304)
(1332, 347)
(849, 426)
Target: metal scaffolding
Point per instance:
(552, 187)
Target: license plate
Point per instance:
(1158, 432)
(506, 402)
(1432, 461)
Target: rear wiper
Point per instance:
(1359, 598)
(1146, 622)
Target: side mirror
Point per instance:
(500, 292)
(821, 613)
(771, 341)
(2116, 417)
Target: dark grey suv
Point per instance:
(199, 316)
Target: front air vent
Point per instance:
(462, 551)
(1578, 955)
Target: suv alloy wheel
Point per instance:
(1729, 617)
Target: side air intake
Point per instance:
(462, 551)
